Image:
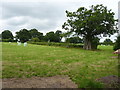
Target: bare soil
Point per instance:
(114, 57)
(110, 81)
(39, 82)
(58, 81)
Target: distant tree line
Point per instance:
(107, 42)
(34, 35)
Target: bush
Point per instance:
(68, 45)
(7, 40)
(35, 39)
(74, 40)
(117, 43)
(91, 84)
(95, 42)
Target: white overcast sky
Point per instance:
(44, 15)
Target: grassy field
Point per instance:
(82, 66)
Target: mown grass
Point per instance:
(82, 66)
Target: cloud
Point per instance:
(43, 14)
(16, 21)
(39, 10)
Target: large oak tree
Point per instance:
(90, 23)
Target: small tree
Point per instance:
(53, 37)
(91, 23)
(23, 35)
(117, 43)
(7, 35)
(49, 36)
(35, 34)
(58, 36)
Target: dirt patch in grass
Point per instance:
(110, 81)
(114, 57)
(39, 82)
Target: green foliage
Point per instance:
(35, 34)
(35, 39)
(7, 40)
(6, 34)
(91, 84)
(91, 22)
(117, 44)
(74, 40)
(49, 37)
(95, 42)
(58, 34)
(24, 35)
(68, 45)
(107, 42)
(53, 37)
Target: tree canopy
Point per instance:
(24, 35)
(35, 34)
(6, 34)
(53, 37)
(90, 23)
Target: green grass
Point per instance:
(82, 66)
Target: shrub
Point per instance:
(7, 40)
(117, 43)
(35, 39)
(74, 40)
(95, 42)
(68, 45)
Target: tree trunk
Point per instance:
(87, 44)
